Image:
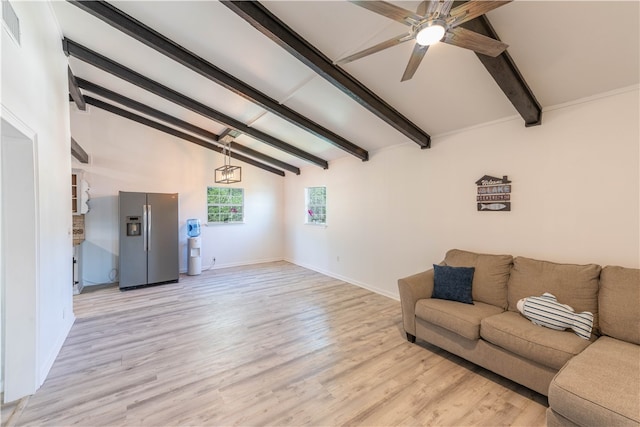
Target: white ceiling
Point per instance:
(565, 50)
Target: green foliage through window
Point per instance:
(316, 205)
(225, 205)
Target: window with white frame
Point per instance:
(225, 205)
(316, 205)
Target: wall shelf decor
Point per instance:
(494, 194)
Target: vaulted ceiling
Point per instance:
(262, 73)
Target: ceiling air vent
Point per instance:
(11, 21)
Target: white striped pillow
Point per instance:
(546, 311)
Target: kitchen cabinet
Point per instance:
(79, 193)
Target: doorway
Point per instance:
(19, 259)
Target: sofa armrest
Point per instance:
(413, 288)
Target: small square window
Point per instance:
(316, 205)
(225, 205)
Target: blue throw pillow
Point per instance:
(453, 283)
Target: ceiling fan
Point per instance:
(434, 21)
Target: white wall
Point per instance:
(126, 156)
(3, 322)
(575, 197)
(34, 92)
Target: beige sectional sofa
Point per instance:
(588, 382)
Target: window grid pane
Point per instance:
(225, 205)
(316, 205)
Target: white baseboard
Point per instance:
(236, 264)
(310, 267)
(77, 288)
(46, 364)
(347, 279)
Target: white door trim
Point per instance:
(19, 266)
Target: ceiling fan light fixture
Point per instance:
(431, 32)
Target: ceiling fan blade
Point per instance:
(428, 7)
(468, 39)
(389, 10)
(472, 9)
(377, 48)
(445, 8)
(414, 61)
(425, 7)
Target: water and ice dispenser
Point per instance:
(195, 261)
(134, 226)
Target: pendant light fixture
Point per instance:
(227, 174)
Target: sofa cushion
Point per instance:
(574, 285)
(618, 303)
(490, 277)
(463, 319)
(452, 283)
(599, 386)
(513, 332)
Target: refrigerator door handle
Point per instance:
(148, 228)
(145, 221)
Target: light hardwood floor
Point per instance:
(267, 344)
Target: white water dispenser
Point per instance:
(195, 261)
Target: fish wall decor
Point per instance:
(494, 194)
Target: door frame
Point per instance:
(19, 253)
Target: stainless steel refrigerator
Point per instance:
(149, 252)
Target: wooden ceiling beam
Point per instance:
(269, 25)
(504, 71)
(152, 112)
(174, 132)
(74, 91)
(82, 53)
(144, 34)
(78, 152)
